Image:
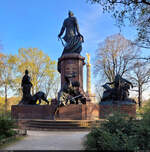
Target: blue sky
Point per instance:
(36, 23)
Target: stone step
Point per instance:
(62, 129)
(62, 121)
(60, 124)
(58, 127)
(56, 124)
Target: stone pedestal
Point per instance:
(69, 63)
(107, 109)
(33, 112)
(91, 97)
(87, 111)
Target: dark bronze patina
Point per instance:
(72, 37)
(119, 91)
(71, 92)
(27, 98)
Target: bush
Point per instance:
(6, 127)
(120, 133)
(143, 138)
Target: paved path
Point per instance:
(54, 140)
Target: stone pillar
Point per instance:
(89, 93)
(69, 63)
(88, 77)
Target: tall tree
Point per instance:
(140, 76)
(114, 56)
(51, 84)
(98, 91)
(41, 68)
(6, 76)
(137, 12)
(1, 65)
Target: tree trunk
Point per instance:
(140, 97)
(5, 99)
(32, 90)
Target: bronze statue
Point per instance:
(71, 92)
(38, 96)
(26, 84)
(64, 93)
(26, 88)
(72, 37)
(27, 98)
(119, 92)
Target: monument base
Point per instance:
(33, 112)
(91, 98)
(71, 63)
(108, 108)
(87, 111)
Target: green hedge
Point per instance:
(120, 133)
(6, 126)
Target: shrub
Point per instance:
(6, 127)
(120, 133)
(143, 136)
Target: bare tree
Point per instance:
(56, 87)
(114, 56)
(51, 85)
(140, 77)
(98, 91)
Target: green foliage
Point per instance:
(42, 69)
(146, 107)
(120, 133)
(135, 12)
(6, 126)
(10, 101)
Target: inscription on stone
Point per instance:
(71, 68)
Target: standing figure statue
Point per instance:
(27, 98)
(72, 37)
(26, 88)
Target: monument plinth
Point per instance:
(108, 108)
(71, 63)
(88, 111)
(116, 98)
(33, 112)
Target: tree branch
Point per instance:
(145, 2)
